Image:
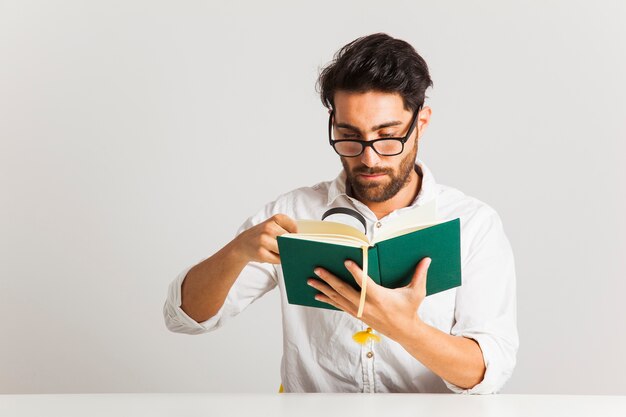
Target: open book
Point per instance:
(390, 258)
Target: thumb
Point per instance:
(419, 277)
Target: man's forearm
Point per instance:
(206, 285)
(456, 359)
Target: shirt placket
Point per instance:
(367, 359)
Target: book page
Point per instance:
(328, 238)
(416, 219)
(310, 227)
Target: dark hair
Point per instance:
(376, 62)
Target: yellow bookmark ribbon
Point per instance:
(363, 282)
(364, 336)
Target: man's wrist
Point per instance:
(236, 253)
(414, 332)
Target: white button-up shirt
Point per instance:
(319, 354)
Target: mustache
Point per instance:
(369, 171)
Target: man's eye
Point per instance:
(345, 136)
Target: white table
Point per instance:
(318, 405)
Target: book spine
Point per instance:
(365, 258)
(374, 265)
(365, 269)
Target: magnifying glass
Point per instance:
(347, 216)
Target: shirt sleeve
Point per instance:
(486, 305)
(255, 280)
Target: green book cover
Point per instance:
(391, 262)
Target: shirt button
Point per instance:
(370, 355)
(378, 224)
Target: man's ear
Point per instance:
(423, 118)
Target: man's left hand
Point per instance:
(392, 312)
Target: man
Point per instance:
(464, 339)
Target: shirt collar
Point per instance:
(427, 191)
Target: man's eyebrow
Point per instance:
(373, 129)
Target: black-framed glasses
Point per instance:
(383, 146)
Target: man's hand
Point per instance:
(392, 312)
(259, 242)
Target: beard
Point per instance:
(382, 190)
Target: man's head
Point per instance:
(373, 89)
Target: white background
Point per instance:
(136, 136)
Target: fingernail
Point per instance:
(317, 271)
(348, 263)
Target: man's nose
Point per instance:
(369, 157)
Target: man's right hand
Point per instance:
(259, 243)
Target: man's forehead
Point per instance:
(369, 108)
(356, 98)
